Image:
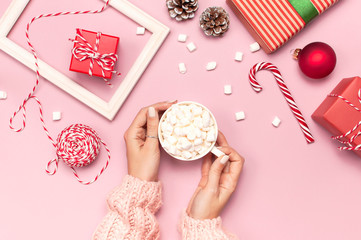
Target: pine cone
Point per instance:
(214, 21)
(182, 9)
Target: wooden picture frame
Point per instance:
(107, 109)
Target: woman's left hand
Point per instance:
(142, 143)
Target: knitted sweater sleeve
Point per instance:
(132, 206)
(210, 229)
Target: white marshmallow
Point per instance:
(198, 141)
(184, 122)
(166, 144)
(191, 47)
(56, 116)
(239, 56)
(227, 89)
(172, 149)
(204, 135)
(182, 68)
(211, 66)
(140, 30)
(198, 122)
(182, 38)
(191, 135)
(240, 116)
(211, 136)
(172, 140)
(185, 144)
(276, 121)
(254, 47)
(206, 119)
(187, 155)
(178, 132)
(3, 95)
(172, 119)
(196, 111)
(198, 133)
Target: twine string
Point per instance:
(87, 139)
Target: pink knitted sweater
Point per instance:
(132, 206)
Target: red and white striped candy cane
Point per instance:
(31, 95)
(286, 93)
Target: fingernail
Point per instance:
(151, 112)
(172, 101)
(224, 159)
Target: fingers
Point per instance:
(141, 118)
(236, 163)
(152, 127)
(206, 166)
(221, 140)
(215, 172)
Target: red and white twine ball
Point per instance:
(78, 145)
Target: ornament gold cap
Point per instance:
(295, 53)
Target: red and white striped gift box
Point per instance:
(273, 22)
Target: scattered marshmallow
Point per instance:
(227, 89)
(240, 116)
(182, 68)
(239, 56)
(182, 38)
(191, 47)
(276, 121)
(140, 30)
(211, 66)
(254, 47)
(56, 116)
(3, 95)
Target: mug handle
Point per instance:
(217, 152)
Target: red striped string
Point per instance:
(31, 95)
(353, 137)
(286, 93)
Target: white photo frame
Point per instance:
(107, 109)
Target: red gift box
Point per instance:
(107, 45)
(338, 116)
(273, 23)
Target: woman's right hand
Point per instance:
(218, 182)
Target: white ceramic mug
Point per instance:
(213, 149)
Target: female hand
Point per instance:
(218, 182)
(141, 139)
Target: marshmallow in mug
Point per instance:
(188, 131)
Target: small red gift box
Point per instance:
(94, 53)
(272, 23)
(339, 116)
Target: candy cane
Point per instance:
(286, 93)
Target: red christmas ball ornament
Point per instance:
(316, 60)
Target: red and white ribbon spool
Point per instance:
(353, 137)
(71, 132)
(286, 93)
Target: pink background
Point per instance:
(288, 189)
